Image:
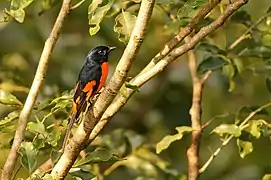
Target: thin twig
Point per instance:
(77, 5)
(251, 115)
(214, 118)
(92, 117)
(244, 35)
(35, 88)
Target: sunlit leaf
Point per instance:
(211, 63)
(245, 147)
(28, 156)
(96, 12)
(267, 177)
(17, 9)
(254, 128)
(124, 25)
(39, 143)
(8, 99)
(97, 157)
(231, 129)
(167, 140)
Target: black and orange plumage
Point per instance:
(90, 80)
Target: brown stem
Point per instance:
(35, 88)
(195, 113)
(80, 137)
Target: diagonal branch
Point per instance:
(33, 93)
(92, 117)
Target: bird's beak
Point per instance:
(112, 48)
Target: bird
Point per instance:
(91, 79)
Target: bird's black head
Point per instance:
(99, 54)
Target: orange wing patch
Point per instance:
(89, 86)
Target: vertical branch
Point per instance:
(195, 113)
(35, 88)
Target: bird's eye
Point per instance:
(101, 52)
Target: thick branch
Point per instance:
(91, 119)
(33, 93)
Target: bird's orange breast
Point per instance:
(105, 70)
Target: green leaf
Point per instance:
(53, 137)
(37, 127)
(167, 140)
(230, 71)
(81, 173)
(17, 9)
(211, 63)
(11, 117)
(231, 129)
(254, 128)
(7, 98)
(96, 12)
(124, 25)
(18, 14)
(97, 157)
(242, 17)
(245, 147)
(39, 143)
(213, 49)
(16, 4)
(28, 156)
(55, 156)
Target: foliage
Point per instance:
(238, 55)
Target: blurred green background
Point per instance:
(161, 105)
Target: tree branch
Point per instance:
(35, 88)
(195, 113)
(80, 137)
